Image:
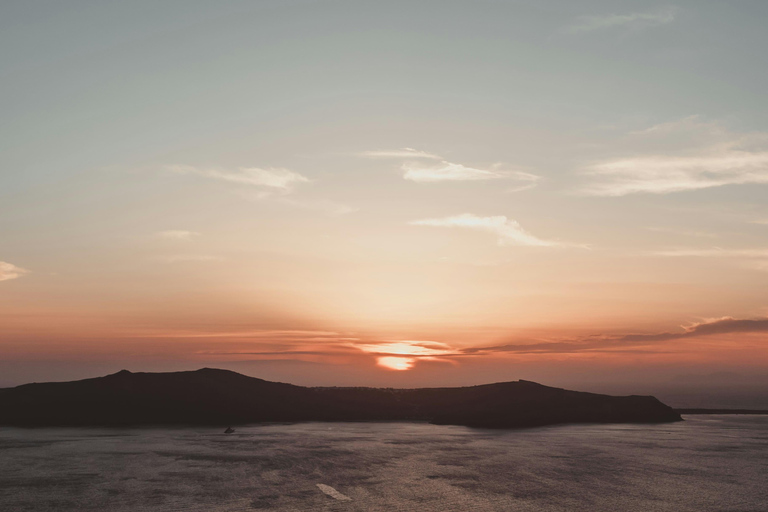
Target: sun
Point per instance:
(402, 355)
(396, 363)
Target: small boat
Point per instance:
(229, 430)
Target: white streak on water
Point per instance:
(333, 493)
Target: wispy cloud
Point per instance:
(400, 153)
(666, 174)
(695, 156)
(447, 171)
(425, 167)
(508, 231)
(270, 181)
(10, 271)
(177, 234)
(520, 188)
(634, 20)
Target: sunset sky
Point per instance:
(385, 193)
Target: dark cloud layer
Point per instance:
(726, 325)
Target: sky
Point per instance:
(386, 193)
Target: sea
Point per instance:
(706, 463)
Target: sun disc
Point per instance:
(396, 363)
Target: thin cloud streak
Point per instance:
(603, 343)
(405, 354)
(521, 188)
(272, 180)
(447, 171)
(400, 153)
(270, 353)
(635, 20)
(10, 271)
(281, 334)
(724, 325)
(599, 343)
(508, 231)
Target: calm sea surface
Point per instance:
(707, 463)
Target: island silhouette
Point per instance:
(221, 397)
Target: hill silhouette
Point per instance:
(221, 397)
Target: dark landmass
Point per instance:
(721, 411)
(222, 397)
